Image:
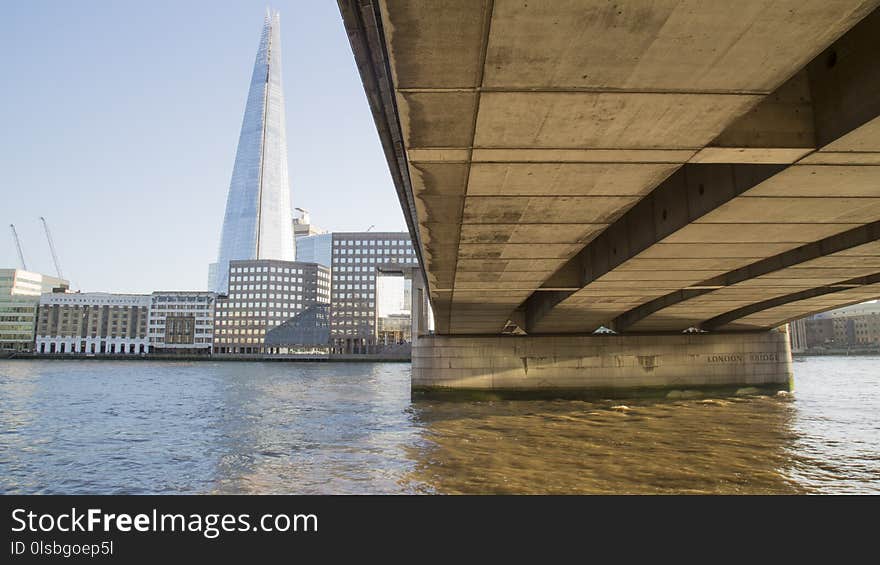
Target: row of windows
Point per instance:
(161, 341)
(140, 335)
(255, 314)
(347, 306)
(244, 331)
(197, 330)
(379, 252)
(242, 340)
(356, 287)
(359, 295)
(242, 287)
(265, 278)
(172, 307)
(273, 305)
(371, 242)
(371, 269)
(267, 270)
(17, 337)
(293, 300)
(370, 260)
(18, 318)
(82, 302)
(267, 322)
(92, 348)
(198, 319)
(6, 328)
(354, 313)
(341, 278)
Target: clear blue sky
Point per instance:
(120, 121)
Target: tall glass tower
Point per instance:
(259, 222)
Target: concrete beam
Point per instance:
(822, 248)
(691, 192)
(845, 89)
(779, 129)
(728, 317)
(779, 315)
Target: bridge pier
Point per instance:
(669, 365)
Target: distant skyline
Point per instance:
(121, 121)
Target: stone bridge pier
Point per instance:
(672, 365)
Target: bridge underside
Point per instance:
(644, 167)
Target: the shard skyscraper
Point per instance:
(258, 220)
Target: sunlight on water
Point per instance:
(142, 427)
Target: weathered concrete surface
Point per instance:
(826, 299)
(602, 364)
(534, 133)
(831, 261)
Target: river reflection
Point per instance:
(143, 427)
(714, 445)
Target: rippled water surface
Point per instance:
(143, 427)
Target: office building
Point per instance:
(92, 323)
(181, 323)
(258, 223)
(358, 260)
(857, 325)
(264, 294)
(20, 292)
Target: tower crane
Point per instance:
(18, 247)
(51, 248)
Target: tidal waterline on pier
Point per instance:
(206, 427)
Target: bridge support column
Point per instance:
(673, 366)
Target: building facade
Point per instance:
(264, 294)
(20, 292)
(857, 325)
(797, 332)
(258, 223)
(358, 258)
(181, 323)
(92, 323)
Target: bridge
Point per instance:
(684, 176)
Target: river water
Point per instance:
(166, 427)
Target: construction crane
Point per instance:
(52, 248)
(18, 246)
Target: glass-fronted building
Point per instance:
(315, 249)
(259, 221)
(20, 292)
